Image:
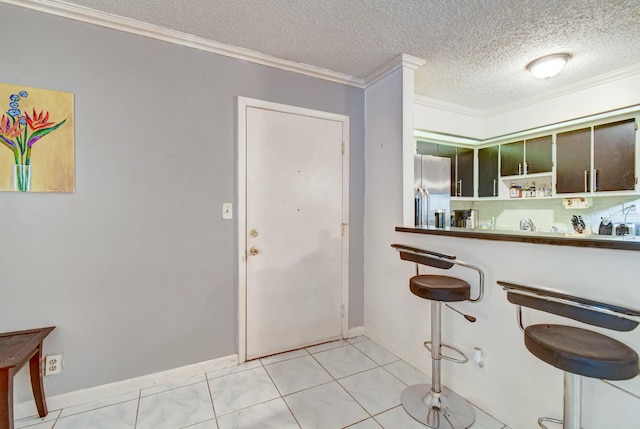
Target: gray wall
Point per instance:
(137, 269)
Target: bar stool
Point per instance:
(578, 352)
(435, 405)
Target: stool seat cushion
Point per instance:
(440, 288)
(583, 352)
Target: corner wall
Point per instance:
(137, 269)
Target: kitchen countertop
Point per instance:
(631, 242)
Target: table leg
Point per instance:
(36, 371)
(6, 399)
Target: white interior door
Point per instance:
(294, 230)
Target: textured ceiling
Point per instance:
(475, 50)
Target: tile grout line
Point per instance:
(278, 390)
(213, 406)
(135, 421)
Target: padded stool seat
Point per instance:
(440, 288)
(581, 351)
(576, 351)
(433, 404)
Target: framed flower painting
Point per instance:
(37, 140)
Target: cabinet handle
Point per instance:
(595, 179)
(586, 175)
(460, 187)
(519, 168)
(526, 168)
(495, 194)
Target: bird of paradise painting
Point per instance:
(36, 130)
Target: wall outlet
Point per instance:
(479, 360)
(53, 364)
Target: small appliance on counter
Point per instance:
(625, 229)
(606, 227)
(465, 218)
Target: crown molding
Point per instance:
(569, 89)
(114, 22)
(448, 107)
(401, 61)
(547, 96)
(411, 62)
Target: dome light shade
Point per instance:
(549, 66)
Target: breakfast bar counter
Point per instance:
(631, 242)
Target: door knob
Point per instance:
(254, 251)
(253, 233)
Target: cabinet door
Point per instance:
(512, 159)
(426, 148)
(573, 161)
(447, 151)
(538, 157)
(465, 172)
(614, 156)
(488, 172)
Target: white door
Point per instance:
(294, 230)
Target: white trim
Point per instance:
(408, 143)
(568, 89)
(546, 96)
(127, 25)
(401, 61)
(448, 107)
(243, 104)
(358, 331)
(617, 114)
(57, 402)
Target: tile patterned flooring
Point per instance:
(353, 384)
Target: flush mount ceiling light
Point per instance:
(549, 66)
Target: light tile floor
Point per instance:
(353, 384)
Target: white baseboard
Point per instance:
(28, 408)
(356, 332)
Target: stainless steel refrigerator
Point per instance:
(432, 190)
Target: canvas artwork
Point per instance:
(36, 132)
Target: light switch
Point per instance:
(227, 210)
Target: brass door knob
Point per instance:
(254, 251)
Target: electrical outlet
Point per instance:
(53, 364)
(479, 360)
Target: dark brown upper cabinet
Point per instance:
(512, 159)
(573, 161)
(614, 156)
(488, 172)
(526, 157)
(538, 155)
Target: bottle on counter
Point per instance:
(513, 190)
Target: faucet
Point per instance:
(526, 224)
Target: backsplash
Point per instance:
(549, 213)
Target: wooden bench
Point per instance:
(16, 348)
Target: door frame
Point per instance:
(243, 103)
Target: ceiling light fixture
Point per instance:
(549, 66)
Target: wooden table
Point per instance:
(16, 348)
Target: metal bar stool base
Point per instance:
(543, 420)
(446, 410)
